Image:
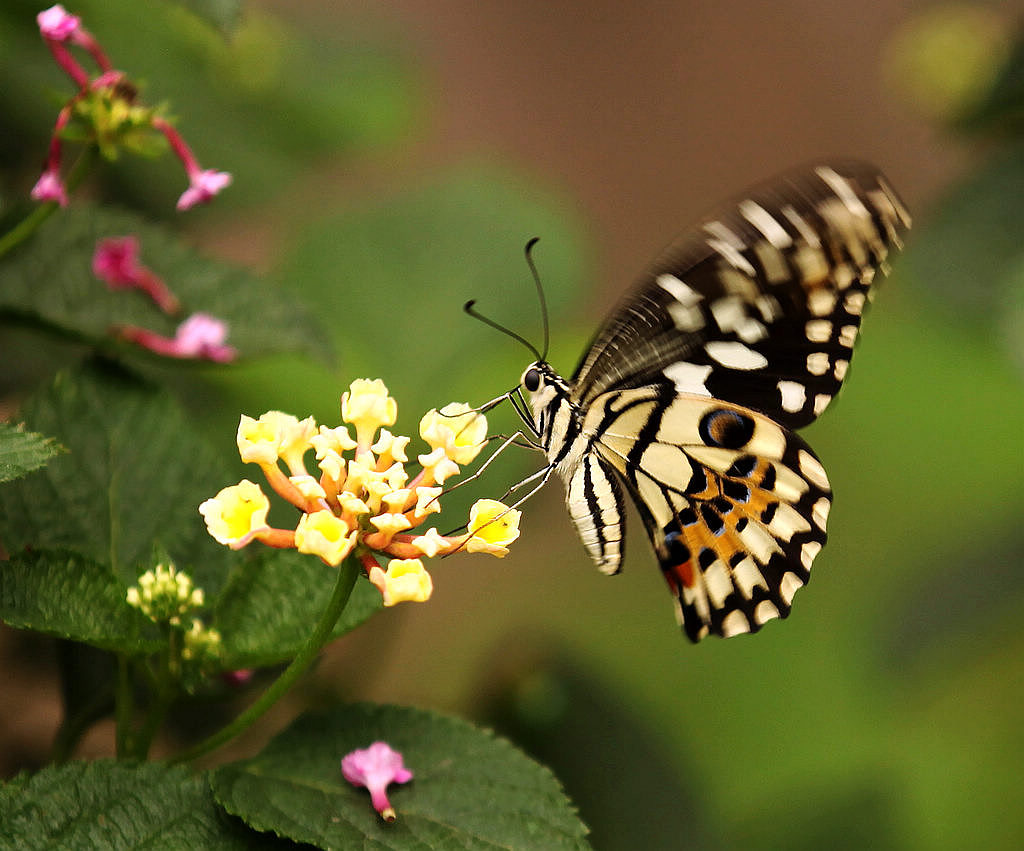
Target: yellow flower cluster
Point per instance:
(364, 500)
(167, 595)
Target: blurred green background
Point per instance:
(390, 160)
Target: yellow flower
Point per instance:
(390, 447)
(390, 525)
(492, 527)
(438, 466)
(458, 430)
(308, 486)
(236, 512)
(367, 406)
(258, 440)
(427, 501)
(295, 441)
(431, 542)
(405, 580)
(322, 534)
(164, 594)
(337, 439)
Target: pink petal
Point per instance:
(204, 185)
(116, 261)
(199, 336)
(375, 768)
(50, 187)
(57, 24)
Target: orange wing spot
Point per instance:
(684, 573)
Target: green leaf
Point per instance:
(271, 602)
(117, 805)
(134, 475)
(69, 596)
(471, 789)
(49, 280)
(23, 451)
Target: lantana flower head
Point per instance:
(361, 499)
(107, 107)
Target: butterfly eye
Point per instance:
(726, 429)
(531, 379)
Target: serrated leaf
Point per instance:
(23, 451)
(117, 805)
(134, 475)
(471, 789)
(69, 596)
(49, 279)
(272, 601)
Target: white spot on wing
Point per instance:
(848, 335)
(765, 222)
(812, 469)
(808, 552)
(686, 317)
(840, 369)
(788, 586)
(818, 330)
(735, 623)
(821, 302)
(820, 512)
(765, 611)
(817, 363)
(821, 402)
(806, 231)
(735, 355)
(681, 292)
(718, 583)
(747, 577)
(689, 377)
(794, 395)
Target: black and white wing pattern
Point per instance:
(740, 332)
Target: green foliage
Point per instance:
(271, 602)
(470, 789)
(117, 806)
(49, 281)
(66, 595)
(22, 451)
(134, 475)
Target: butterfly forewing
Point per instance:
(743, 330)
(761, 305)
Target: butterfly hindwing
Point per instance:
(761, 305)
(688, 396)
(735, 504)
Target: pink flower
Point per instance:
(203, 186)
(199, 336)
(116, 262)
(50, 187)
(57, 24)
(375, 768)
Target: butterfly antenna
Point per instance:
(540, 292)
(471, 310)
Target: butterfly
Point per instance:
(688, 397)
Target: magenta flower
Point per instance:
(50, 187)
(203, 185)
(199, 336)
(57, 24)
(375, 768)
(116, 262)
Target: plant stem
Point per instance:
(347, 574)
(123, 706)
(30, 224)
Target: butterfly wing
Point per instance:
(760, 305)
(734, 503)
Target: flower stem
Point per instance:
(30, 224)
(347, 575)
(123, 706)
